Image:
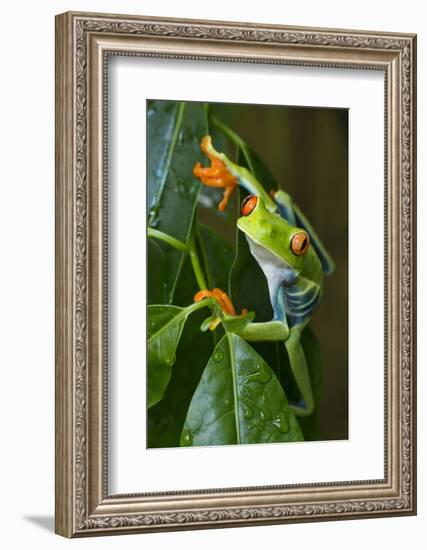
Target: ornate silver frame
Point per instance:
(83, 42)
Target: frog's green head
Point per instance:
(273, 233)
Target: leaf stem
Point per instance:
(189, 248)
(168, 239)
(228, 132)
(199, 305)
(236, 139)
(195, 262)
(255, 186)
(183, 314)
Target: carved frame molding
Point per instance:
(83, 44)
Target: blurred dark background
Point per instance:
(306, 149)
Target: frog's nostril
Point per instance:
(300, 243)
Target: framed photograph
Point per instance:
(235, 274)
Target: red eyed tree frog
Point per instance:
(290, 254)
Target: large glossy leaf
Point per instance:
(276, 356)
(175, 130)
(162, 119)
(166, 418)
(217, 256)
(155, 270)
(165, 325)
(186, 286)
(238, 400)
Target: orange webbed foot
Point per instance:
(215, 175)
(223, 301)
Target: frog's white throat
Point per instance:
(276, 271)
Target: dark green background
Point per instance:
(306, 149)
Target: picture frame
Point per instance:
(84, 42)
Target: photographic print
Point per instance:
(247, 274)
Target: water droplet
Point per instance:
(151, 112)
(181, 188)
(187, 438)
(247, 411)
(261, 374)
(159, 172)
(218, 356)
(282, 422)
(265, 414)
(226, 402)
(170, 361)
(153, 218)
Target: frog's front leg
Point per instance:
(276, 330)
(226, 174)
(215, 175)
(270, 331)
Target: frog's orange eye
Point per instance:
(300, 243)
(248, 205)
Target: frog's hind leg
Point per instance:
(300, 371)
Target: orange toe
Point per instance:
(215, 175)
(221, 298)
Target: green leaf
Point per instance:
(186, 286)
(250, 159)
(155, 270)
(276, 356)
(247, 156)
(238, 400)
(161, 126)
(175, 130)
(166, 418)
(165, 325)
(217, 256)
